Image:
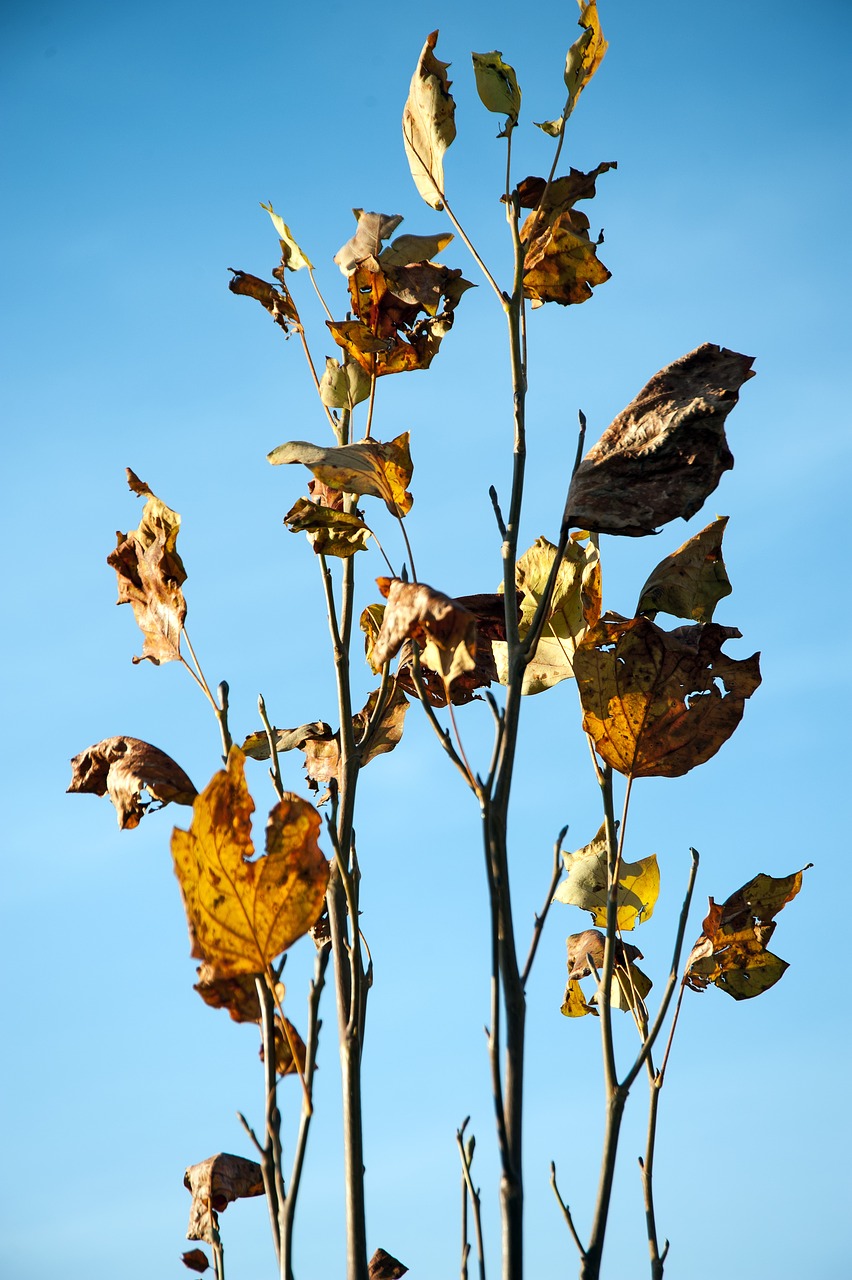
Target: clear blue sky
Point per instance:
(137, 143)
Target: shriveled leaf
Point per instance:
(383, 1266)
(243, 913)
(497, 84)
(666, 452)
(574, 1003)
(274, 299)
(343, 386)
(586, 54)
(150, 576)
(657, 703)
(238, 995)
(731, 952)
(585, 884)
(124, 768)
(369, 467)
(444, 630)
(372, 230)
(428, 123)
(322, 750)
(330, 533)
(405, 250)
(692, 580)
(256, 744)
(560, 259)
(293, 257)
(195, 1260)
(371, 625)
(215, 1183)
(285, 1044)
(575, 606)
(586, 953)
(552, 128)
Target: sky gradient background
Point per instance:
(137, 145)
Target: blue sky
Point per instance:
(137, 145)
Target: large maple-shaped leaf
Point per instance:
(215, 1183)
(664, 453)
(692, 580)
(585, 884)
(150, 576)
(731, 952)
(242, 913)
(368, 467)
(657, 703)
(125, 768)
(428, 123)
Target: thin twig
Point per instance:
(372, 400)
(540, 919)
(275, 768)
(466, 1154)
(498, 514)
(566, 1212)
(407, 547)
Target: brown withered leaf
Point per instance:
(242, 913)
(150, 576)
(256, 744)
(657, 703)
(629, 984)
(124, 768)
(195, 1260)
(322, 750)
(372, 230)
(731, 952)
(215, 1183)
(444, 629)
(382, 1266)
(285, 1043)
(330, 532)
(274, 299)
(692, 580)
(238, 995)
(428, 123)
(560, 262)
(368, 467)
(666, 452)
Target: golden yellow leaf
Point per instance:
(692, 580)
(242, 913)
(497, 84)
(369, 467)
(586, 54)
(657, 703)
(292, 256)
(428, 123)
(585, 884)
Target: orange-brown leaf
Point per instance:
(383, 1266)
(125, 768)
(238, 995)
(195, 1260)
(444, 629)
(560, 262)
(215, 1183)
(658, 703)
(276, 300)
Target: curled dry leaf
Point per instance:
(497, 85)
(560, 262)
(292, 256)
(692, 580)
(285, 1043)
(657, 703)
(369, 467)
(444, 629)
(238, 995)
(195, 1260)
(383, 1266)
(586, 53)
(585, 884)
(428, 123)
(731, 952)
(370, 234)
(330, 532)
(150, 576)
(215, 1183)
(256, 744)
(374, 736)
(586, 953)
(125, 768)
(664, 453)
(243, 913)
(274, 299)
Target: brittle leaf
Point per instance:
(369, 467)
(372, 230)
(666, 452)
(497, 84)
(243, 913)
(692, 580)
(293, 257)
(629, 984)
(585, 885)
(274, 299)
(215, 1183)
(125, 768)
(150, 576)
(658, 703)
(330, 532)
(428, 123)
(343, 386)
(586, 54)
(560, 259)
(444, 629)
(256, 744)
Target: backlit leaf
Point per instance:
(560, 261)
(215, 1183)
(585, 885)
(575, 606)
(692, 580)
(369, 467)
(586, 953)
(293, 257)
(444, 629)
(731, 952)
(658, 703)
(405, 250)
(150, 576)
(497, 84)
(243, 912)
(664, 453)
(256, 744)
(428, 123)
(125, 768)
(273, 298)
(195, 1260)
(330, 532)
(586, 54)
(372, 230)
(238, 995)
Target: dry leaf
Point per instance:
(275, 300)
(560, 262)
(497, 85)
(256, 744)
(629, 984)
(585, 884)
(383, 1266)
(444, 629)
(291, 255)
(585, 55)
(428, 123)
(285, 1064)
(150, 576)
(330, 532)
(657, 703)
(238, 995)
(195, 1260)
(369, 467)
(124, 768)
(731, 952)
(663, 455)
(692, 580)
(322, 750)
(215, 1183)
(243, 913)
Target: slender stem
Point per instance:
(646, 1166)
(540, 919)
(275, 768)
(272, 1163)
(319, 294)
(301, 332)
(460, 229)
(466, 1154)
(407, 547)
(372, 400)
(566, 1212)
